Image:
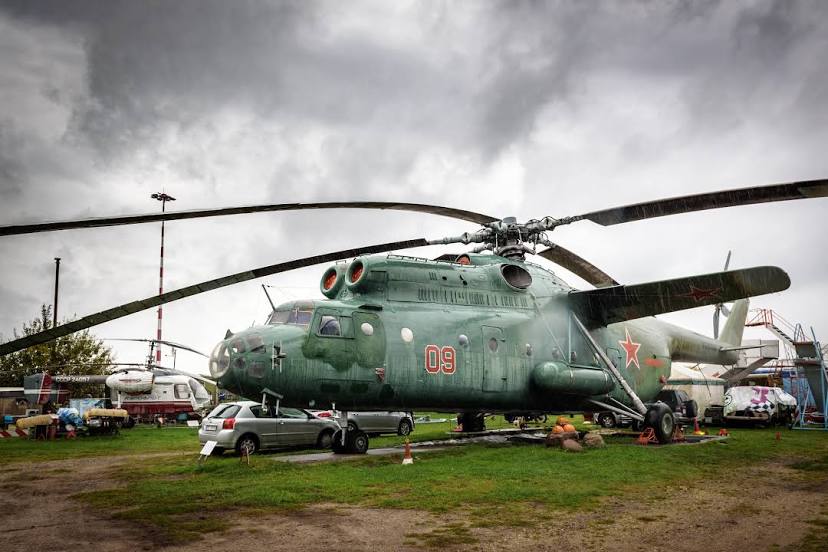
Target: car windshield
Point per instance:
(295, 313)
(292, 413)
(225, 411)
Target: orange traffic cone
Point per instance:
(696, 429)
(407, 458)
(778, 436)
(723, 433)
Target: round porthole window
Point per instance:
(463, 340)
(407, 335)
(367, 328)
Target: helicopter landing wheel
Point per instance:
(472, 421)
(660, 418)
(356, 442)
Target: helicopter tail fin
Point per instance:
(735, 325)
(602, 306)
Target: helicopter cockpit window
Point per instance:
(329, 325)
(294, 314)
(255, 344)
(335, 326)
(198, 390)
(182, 391)
(237, 346)
(256, 369)
(219, 361)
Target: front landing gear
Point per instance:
(356, 442)
(660, 418)
(472, 422)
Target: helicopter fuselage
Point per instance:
(490, 334)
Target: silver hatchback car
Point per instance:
(374, 423)
(244, 426)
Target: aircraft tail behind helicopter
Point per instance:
(734, 328)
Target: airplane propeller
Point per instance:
(505, 237)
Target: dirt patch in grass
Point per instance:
(38, 513)
(322, 528)
(749, 513)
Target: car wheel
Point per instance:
(247, 444)
(660, 418)
(405, 427)
(352, 426)
(129, 423)
(606, 420)
(325, 439)
(357, 442)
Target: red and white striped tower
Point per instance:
(163, 198)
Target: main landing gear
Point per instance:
(354, 441)
(660, 418)
(472, 421)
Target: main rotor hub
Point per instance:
(505, 237)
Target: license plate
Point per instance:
(210, 427)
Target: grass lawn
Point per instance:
(149, 439)
(497, 482)
(138, 440)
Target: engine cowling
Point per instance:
(559, 377)
(332, 281)
(131, 381)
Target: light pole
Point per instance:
(163, 198)
(57, 280)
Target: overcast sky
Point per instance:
(505, 108)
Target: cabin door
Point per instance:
(494, 359)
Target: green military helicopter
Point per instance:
(469, 332)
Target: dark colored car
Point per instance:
(684, 408)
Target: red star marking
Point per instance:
(699, 294)
(632, 350)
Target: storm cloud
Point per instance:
(508, 108)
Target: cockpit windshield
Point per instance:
(295, 313)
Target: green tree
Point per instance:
(74, 354)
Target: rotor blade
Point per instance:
(154, 301)
(198, 377)
(577, 265)
(461, 214)
(700, 202)
(73, 364)
(161, 341)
